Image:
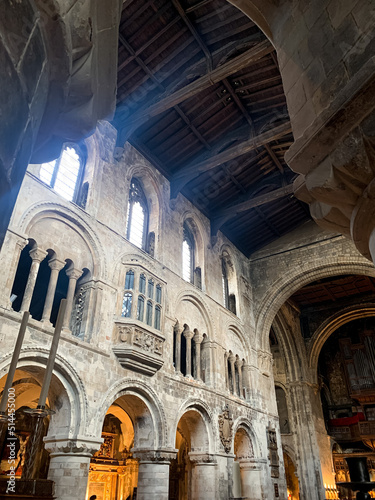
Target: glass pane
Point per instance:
(149, 313)
(46, 172)
(150, 290)
(67, 174)
(158, 294)
(142, 283)
(157, 318)
(136, 227)
(126, 305)
(129, 280)
(140, 308)
(186, 261)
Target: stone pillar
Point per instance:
(56, 266)
(188, 334)
(69, 465)
(73, 275)
(226, 371)
(9, 258)
(177, 355)
(250, 472)
(239, 364)
(204, 484)
(198, 338)
(232, 386)
(153, 473)
(37, 255)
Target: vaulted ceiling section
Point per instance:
(200, 96)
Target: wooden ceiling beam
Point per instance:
(195, 34)
(274, 158)
(241, 107)
(198, 5)
(228, 213)
(186, 173)
(166, 102)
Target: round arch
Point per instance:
(285, 286)
(69, 391)
(329, 326)
(136, 390)
(195, 299)
(245, 424)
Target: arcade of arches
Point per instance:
(211, 227)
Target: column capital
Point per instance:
(56, 264)
(187, 333)
(80, 446)
(231, 357)
(155, 456)
(239, 362)
(178, 328)
(37, 254)
(198, 337)
(74, 274)
(202, 458)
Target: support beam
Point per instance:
(166, 102)
(232, 211)
(195, 168)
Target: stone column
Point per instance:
(73, 275)
(69, 465)
(232, 387)
(204, 484)
(198, 338)
(56, 266)
(37, 255)
(250, 472)
(188, 334)
(178, 330)
(153, 473)
(239, 364)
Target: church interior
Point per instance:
(187, 248)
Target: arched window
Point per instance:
(224, 279)
(142, 283)
(149, 313)
(157, 318)
(158, 294)
(188, 255)
(65, 173)
(150, 290)
(127, 305)
(129, 280)
(140, 308)
(137, 217)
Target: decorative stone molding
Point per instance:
(202, 458)
(82, 446)
(226, 429)
(141, 349)
(265, 362)
(162, 455)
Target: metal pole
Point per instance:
(13, 364)
(52, 355)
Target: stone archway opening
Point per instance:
(246, 478)
(192, 473)
(291, 478)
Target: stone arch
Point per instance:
(256, 11)
(231, 327)
(140, 393)
(285, 286)
(242, 423)
(39, 211)
(228, 260)
(198, 412)
(72, 417)
(329, 326)
(199, 232)
(197, 301)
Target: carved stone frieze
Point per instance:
(79, 446)
(226, 429)
(140, 349)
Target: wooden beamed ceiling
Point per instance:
(200, 96)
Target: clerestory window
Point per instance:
(137, 217)
(64, 174)
(188, 255)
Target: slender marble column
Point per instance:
(232, 359)
(37, 255)
(198, 338)
(188, 334)
(178, 330)
(56, 266)
(74, 275)
(239, 364)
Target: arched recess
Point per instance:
(145, 410)
(201, 414)
(203, 319)
(67, 395)
(199, 233)
(151, 186)
(285, 286)
(47, 213)
(230, 279)
(329, 326)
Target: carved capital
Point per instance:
(198, 337)
(187, 333)
(82, 446)
(37, 254)
(56, 265)
(202, 458)
(155, 456)
(74, 274)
